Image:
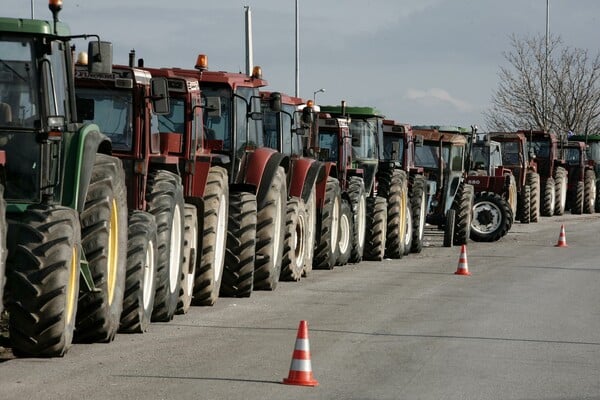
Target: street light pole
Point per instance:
(322, 90)
(297, 52)
(545, 99)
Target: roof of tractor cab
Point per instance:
(443, 128)
(391, 127)
(433, 135)
(186, 84)
(231, 79)
(285, 99)
(32, 27)
(508, 136)
(365, 112)
(589, 138)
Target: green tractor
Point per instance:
(66, 205)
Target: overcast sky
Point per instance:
(418, 61)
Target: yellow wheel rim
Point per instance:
(72, 286)
(113, 251)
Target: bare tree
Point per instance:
(561, 96)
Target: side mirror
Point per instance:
(85, 109)
(307, 116)
(418, 141)
(256, 116)
(100, 57)
(160, 96)
(275, 102)
(213, 107)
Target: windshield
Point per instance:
(541, 149)
(111, 110)
(328, 144)
(218, 117)
(274, 123)
(18, 84)
(510, 153)
(593, 151)
(572, 155)
(428, 155)
(480, 157)
(174, 121)
(364, 138)
(388, 148)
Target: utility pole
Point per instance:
(545, 98)
(32, 12)
(297, 52)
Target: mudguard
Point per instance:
(79, 163)
(261, 169)
(305, 172)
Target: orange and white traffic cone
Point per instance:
(463, 265)
(301, 369)
(562, 238)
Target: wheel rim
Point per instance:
(563, 193)
(487, 217)
(402, 215)
(592, 196)
(278, 237)
(113, 252)
(552, 200)
(299, 245)
(220, 237)
(344, 233)
(148, 274)
(409, 227)
(312, 211)
(361, 216)
(71, 295)
(335, 223)
(422, 217)
(175, 253)
(191, 267)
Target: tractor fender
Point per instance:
(316, 173)
(329, 169)
(89, 142)
(261, 169)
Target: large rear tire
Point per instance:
(418, 203)
(311, 229)
(43, 280)
(549, 201)
(294, 245)
(188, 264)
(492, 217)
(210, 270)
(165, 202)
(561, 182)
(463, 205)
(326, 250)
(104, 243)
(270, 227)
(525, 204)
(140, 283)
(533, 181)
(589, 196)
(358, 202)
(449, 228)
(577, 202)
(238, 273)
(393, 187)
(345, 235)
(376, 229)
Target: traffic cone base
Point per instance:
(562, 238)
(463, 265)
(301, 369)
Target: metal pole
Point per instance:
(249, 44)
(545, 100)
(32, 12)
(297, 52)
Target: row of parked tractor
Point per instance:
(131, 193)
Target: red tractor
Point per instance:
(495, 203)
(516, 157)
(125, 104)
(581, 192)
(399, 143)
(282, 132)
(544, 148)
(257, 177)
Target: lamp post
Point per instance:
(322, 90)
